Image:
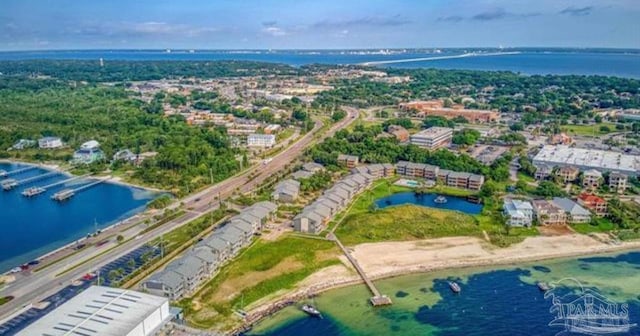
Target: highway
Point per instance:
(33, 288)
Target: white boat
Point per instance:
(440, 200)
(311, 310)
(455, 287)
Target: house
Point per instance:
(308, 222)
(591, 179)
(89, 152)
(286, 191)
(50, 143)
(165, 283)
(547, 213)
(261, 140)
(594, 203)
(125, 155)
(568, 173)
(433, 137)
(312, 167)
(575, 213)
(348, 161)
(264, 210)
(399, 132)
(618, 182)
(542, 172)
(518, 213)
(23, 143)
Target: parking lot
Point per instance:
(487, 154)
(123, 266)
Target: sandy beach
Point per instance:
(389, 259)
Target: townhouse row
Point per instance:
(558, 211)
(184, 274)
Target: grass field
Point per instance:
(589, 130)
(261, 270)
(406, 222)
(602, 225)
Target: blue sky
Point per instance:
(319, 24)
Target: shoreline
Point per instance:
(339, 276)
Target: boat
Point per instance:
(440, 199)
(543, 286)
(455, 287)
(311, 310)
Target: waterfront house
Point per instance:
(518, 213)
(50, 142)
(547, 213)
(575, 213)
(594, 203)
(89, 152)
(22, 144)
(125, 155)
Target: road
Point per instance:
(35, 287)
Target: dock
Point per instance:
(11, 183)
(65, 194)
(377, 299)
(4, 173)
(33, 191)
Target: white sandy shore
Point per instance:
(389, 259)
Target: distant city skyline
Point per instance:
(329, 24)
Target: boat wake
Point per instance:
(436, 58)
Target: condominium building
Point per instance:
(568, 173)
(349, 161)
(433, 137)
(618, 182)
(261, 140)
(591, 179)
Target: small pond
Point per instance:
(429, 200)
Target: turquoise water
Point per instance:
(31, 227)
(622, 64)
(493, 301)
(428, 200)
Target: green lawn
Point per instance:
(261, 270)
(525, 178)
(601, 225)
(589, 130)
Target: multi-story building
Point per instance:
(596, 204)
(50, 142)
(618, 182)
(433, 137)
(591, 179)
(585, 159)
(547, 213)
(349, 161)
(518, 213)
(261, 140)
(437, 108)
(568, 173)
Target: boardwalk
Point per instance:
(377, 299)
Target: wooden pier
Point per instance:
(377, 299)
(34, 191)
(65, 194)
(4, 173)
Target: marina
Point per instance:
(9, 184)
(43, 225)
(65, 194)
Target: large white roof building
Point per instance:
(584, 159)
(104, 311)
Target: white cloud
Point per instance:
(274, 31)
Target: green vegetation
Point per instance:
(590, 130)
(261, 270)
(181, 235)
(160, 202)
(318, 181)
(466, 137)
(596, 225)
(406, 222)
(5, 299)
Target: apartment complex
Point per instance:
(261, 140)
(376, 170)
(184, 274)
(314, 217)
(433, 137)
(447, 177)
(349, 161)
(437, 108)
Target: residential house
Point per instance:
(312, 167)
(89, 152)
(23, 143)
(542, 172)
(547, 213)
(575, 213)
(518, 213)
(50, 142)
(591, 179)
(594, 203)
(618, 182)
(348, 161)
(568, 173)
(308, 222)
(301, 174)
(125, 155)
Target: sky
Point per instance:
(318, 24)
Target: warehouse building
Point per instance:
(104, 311)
